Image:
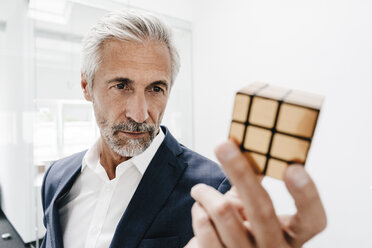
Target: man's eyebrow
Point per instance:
(160, 82)
(121, 80)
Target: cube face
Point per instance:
(271, 130)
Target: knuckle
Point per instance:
(202, 221)
(199, 218)
(224, 209)
(241, 169)
(266, 212)
(312, 196)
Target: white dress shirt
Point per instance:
(92, 209)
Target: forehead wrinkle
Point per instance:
(141, 49)
(146, 55)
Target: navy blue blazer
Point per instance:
(159, 213)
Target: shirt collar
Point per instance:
(92, 155)
(141, 161)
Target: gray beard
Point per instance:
(128, 147)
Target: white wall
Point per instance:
(181, 9)
(323, 46)
(16, 106)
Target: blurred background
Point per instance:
(321, 46)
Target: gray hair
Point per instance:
(125, 25)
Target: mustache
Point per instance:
(133, 126)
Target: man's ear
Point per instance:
(86, 88)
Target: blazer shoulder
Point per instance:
(63, 165)
(58, 170)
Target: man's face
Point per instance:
(130, 93)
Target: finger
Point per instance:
(204, 231)
(285, 221)
(192, 243)
(233, 196)
(232, 192)
(224, 215)
(311, 217)
(258, 206)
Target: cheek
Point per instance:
(109, 109)
(156, 110)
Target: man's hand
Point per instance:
(245, 216)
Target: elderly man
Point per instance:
(132, 187)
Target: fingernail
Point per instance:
(298, 175)
(226, 151)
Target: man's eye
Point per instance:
(120, 86)
(157, 89)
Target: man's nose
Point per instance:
(137, 108)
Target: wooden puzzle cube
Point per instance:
(274, 126)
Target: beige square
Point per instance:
(276, 168)
(241, 106)
(297, 120)
(237, 131)
(263, 112)
(258, 161)
(289, 148)
(257, 139)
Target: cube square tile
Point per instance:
(237, 131)
(258, 161)
(263, 112)
(297, 120)
(289, 148)
(257, 139)
(276, 168)
(241, 107)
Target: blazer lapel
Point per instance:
(68, 177)
(153, 191)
